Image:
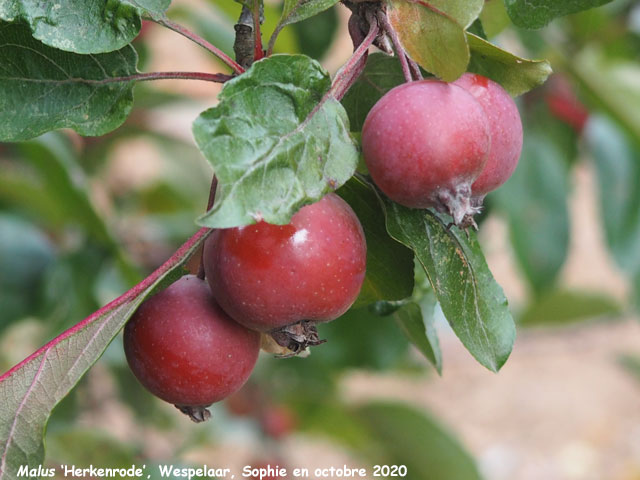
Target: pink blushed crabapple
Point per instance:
(425, 143)
(505, 128)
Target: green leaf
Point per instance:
(316, 34)
(432, 38)
(83, 27)
(537, 13)
(471, 300)
(30, 390)
(516, 75)
(494, 17)
(381, 73)
(275, 141)
(385, 346)
(43, 89)
(611, 84)
(414, 439)
(297, 10)
(561, 307)
(416, 322)
(617, 161)
(535, 201)
(389, 263)
(462, 11)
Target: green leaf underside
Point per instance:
(297, 10)
(434, 40)
(31, 390)
(537, 13)
(389, 263)
(381, 73)
(412, 438)
(42, 88)
(275, 143)
(471, 300)
(83, 27)
(417, 325)
(516, 75)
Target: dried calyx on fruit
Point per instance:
(186, 350)
(283, 279)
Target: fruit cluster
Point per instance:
(426, 144)
(443, 145)
(195, 343)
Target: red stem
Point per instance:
(401, 54)
(145, 77)
(348, 73)
(212, 198)
(202, 42)
(258, 51)
(415, 68)
(122, 299)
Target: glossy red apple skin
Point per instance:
(425, 143)
(270, 276)
(185, 349)
(505, 128)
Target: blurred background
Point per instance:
(83, 219)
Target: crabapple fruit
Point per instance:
(186, 350)
(425, 143)
(310, 270)
(505, 129)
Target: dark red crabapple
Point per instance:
(282, 279)
(425, 143)
(506, 132)
(186, 350)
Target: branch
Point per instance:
(243, 46)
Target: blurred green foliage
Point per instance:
(73, 235)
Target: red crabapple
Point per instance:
(282, 279)
(425, 143)
(186, 350)
(505, 128)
